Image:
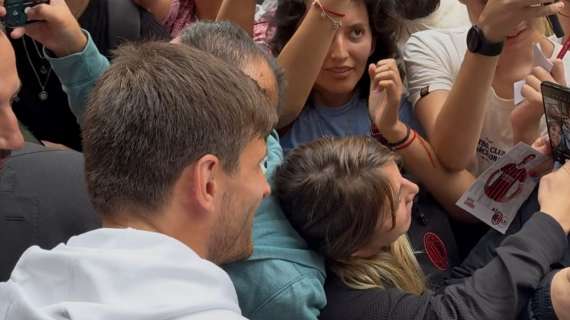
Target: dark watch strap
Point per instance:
(477, 43)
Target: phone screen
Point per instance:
(557, 111)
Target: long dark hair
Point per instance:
(383, 20)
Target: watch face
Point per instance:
(473, 39)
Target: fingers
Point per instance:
(386, 75)
(18, 32)
(558, 72)
(531, 94)
(372, 74)
(542, 145)
(541, 74)
(544, 10)
(40, 12)
(387, 84)
(540, 142)
(387, 64)
(542, 168)
(534, 82)
(387, 70)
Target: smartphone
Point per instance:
(15, 12)
(556, 99)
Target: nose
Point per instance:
(412, 187)
(266, 189)
(338, 47)
(10, 135)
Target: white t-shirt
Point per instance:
(433, 59)
(449, 14)
(118, 274)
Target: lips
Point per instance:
(339, 70)
(339, 73)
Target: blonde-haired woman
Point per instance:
(347, 199)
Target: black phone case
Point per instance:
(556, 101)
(16, 12)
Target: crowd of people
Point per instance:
(277, 159)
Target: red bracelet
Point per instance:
(334, 13)
(407, 144)
(375, 133)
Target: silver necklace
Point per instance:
(43, 95)
(43, 69)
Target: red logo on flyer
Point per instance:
(436, 251)
(497, 218)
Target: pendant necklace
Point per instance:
(43, 95)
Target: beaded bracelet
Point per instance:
(326, 13)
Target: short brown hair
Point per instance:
(156, 110)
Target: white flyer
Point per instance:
(497, 195)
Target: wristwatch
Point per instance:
(477, 43)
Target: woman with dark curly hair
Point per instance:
(329, 51)
(347, 199)
(325, 47)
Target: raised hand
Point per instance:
(57, 29)
(500, 17)
(553, 195)
(385, 96)
(526, 116)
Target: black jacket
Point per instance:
(498, 290)
(43, 201)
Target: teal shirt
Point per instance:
(283, 279)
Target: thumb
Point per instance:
(18, 32)
(542, 168)
(558, 72)
(40, 12)
(372, 75)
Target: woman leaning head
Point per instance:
(347, 199)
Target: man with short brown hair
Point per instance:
(174, 143)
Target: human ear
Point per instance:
(206, 186)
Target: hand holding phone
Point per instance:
(56, 28)
(556, 100)
(16, 12)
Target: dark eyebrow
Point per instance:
(357, 24)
